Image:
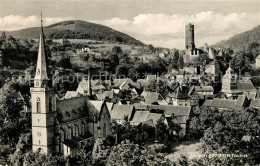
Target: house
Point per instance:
(139, 117)
(177, 114)
(228, 104)
(153, 118)
(213, 67)
(119, 113)
(108, 96)
(71, 94)
(205, 92)
(232, 86)
(180, 96)
(145, 82)
(154, 98)
(255, 103)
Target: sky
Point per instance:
(157, 22)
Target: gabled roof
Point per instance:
(207, 103)
(105, 94)
(119, 112)
(223, 103)
(255, 103)
(152, 97)
(204, 88)
(240, 101)
(140, 116)
(139, 107)
(97, 104)
(109, 106)
(181, 92)
(118, 82)
(180, 119)
(170, 109)
(154, 117)
(71, 94)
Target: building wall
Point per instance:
(257, 65)
(180, 102)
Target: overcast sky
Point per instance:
(157, 22)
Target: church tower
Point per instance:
(43, 104)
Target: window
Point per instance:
(104, 131)
(83, 128)
(69, 132)
(76, 130)
(50, 104)
(38, 105)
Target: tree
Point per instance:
(180, 62)
(64, 63)
(127, 153)
(158, 86)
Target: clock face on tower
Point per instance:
(39, 134)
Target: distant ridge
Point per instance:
(77, 29)
(242, 40)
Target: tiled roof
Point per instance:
(109, 106)
(240, 101)
(180, 93)
(204, 88)
(207, 103)
(119, 112)
(71, 94)
(152, 97)
(154, 117)
(105, 94)
(118, 82)
(140, 116)
(97, 104)
(223, 103)
(140, 107)
(170, 109)
(180, 119)
(255, 103)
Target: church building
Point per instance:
(63, 126)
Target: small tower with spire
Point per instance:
(43, 104)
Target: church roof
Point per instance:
(41, 68)
(97, 104)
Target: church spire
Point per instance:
(41, 76)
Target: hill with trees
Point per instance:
(241, 41)
(76, 29)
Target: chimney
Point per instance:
(89, 84)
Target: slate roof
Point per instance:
(119, 112)
(255, 103)
(140, 116)
(70, 107)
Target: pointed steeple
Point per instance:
(41, 76)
